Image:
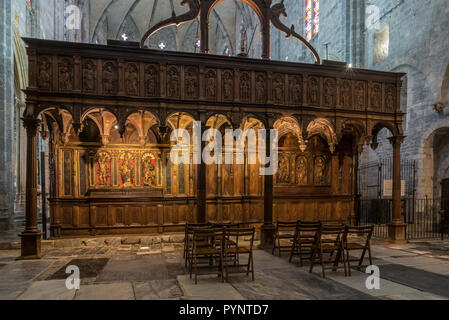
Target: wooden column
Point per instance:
(31, 236)
(355, 184)
(265, 34)
(201, 182)
(396, 229)
(267, 230)
(204, 27)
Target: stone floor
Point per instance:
(418, 270)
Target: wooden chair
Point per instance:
(212, 252)
(285, 231)
(336, 222)
(329, 239)
(358, 239)
(233, 250)
(305, 235)
(188, 232)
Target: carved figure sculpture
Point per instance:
(65, 75)
(301, 170)
(89, 76)
(320, 170)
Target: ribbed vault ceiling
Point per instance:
(109, 19)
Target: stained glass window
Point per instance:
(312, 20)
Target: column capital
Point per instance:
(31, 125)
(396, 140)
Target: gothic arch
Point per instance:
(20, 65)
(251, 3)
(218, 119)
(289, 124)
(323, 128)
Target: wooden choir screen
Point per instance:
(110, 111)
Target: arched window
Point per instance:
(312, 20)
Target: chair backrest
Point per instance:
(308, 229)
(286, 225)
(311, 223)
(206, 234)
(362, 233)
(334, 222)
(227, 224)
(191, 226)
(237, 234)
(335, 233)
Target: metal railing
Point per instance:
(424, 218)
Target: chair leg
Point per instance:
(279, 246)
(291, 251)
(348, 259)
(361, 258)
(322, 263)
(190, 266)
(300, 254)
(312, 259)
(342, 253)
(370, 257)
(196, 271)
(274, 245)
(252, 266)
(221, 267)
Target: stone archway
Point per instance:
(20, 83)
(435, 162)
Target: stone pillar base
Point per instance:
(266, 236)
(30, 245)
(396, 232)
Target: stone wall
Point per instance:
(6, 114)
(405, 36)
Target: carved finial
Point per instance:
(77, 127)
(121, 129)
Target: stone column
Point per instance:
(6, 115)
(31, 236)
(396, 229)
(267, 231)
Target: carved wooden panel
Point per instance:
(45, 74)
(295, 89)
(346, 94)
(211, 84)
(313, 91)
(375, 96)
(390, 98)
(89, 75)
(183, 82)
(132, 81)
(65, 74)
(151, 80)
(329, 92)
(278, 88)
(261, 87)
(173, 82)
(110, 77)
(245, 86)
(360, 95)
(191, 82)
(227, 82)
